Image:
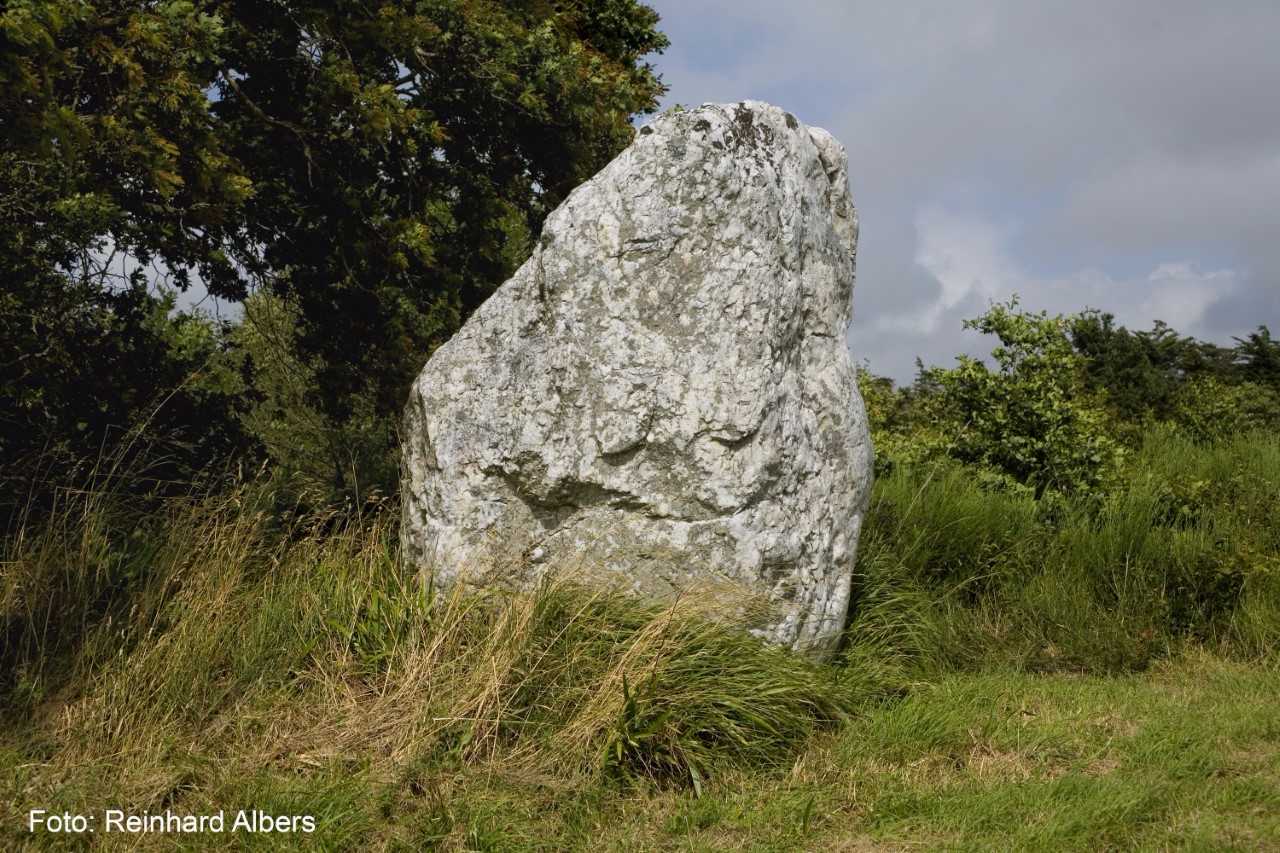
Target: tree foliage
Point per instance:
(402, 154)
(380, 165)
(1158, 375)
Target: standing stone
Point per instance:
(663, 393)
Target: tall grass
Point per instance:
(1185, 549)
(214, 651)
(313, 641)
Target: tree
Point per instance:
(1159, 374)
(1126, 368)
(1258, 358)
(430, 139)
(381, 165)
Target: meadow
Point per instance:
(1018, 673)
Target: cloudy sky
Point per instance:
(1115, 155)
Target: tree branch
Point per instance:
(258, 111)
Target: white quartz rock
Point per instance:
(663, 393)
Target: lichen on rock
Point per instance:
(663, 391)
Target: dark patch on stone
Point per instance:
(791, 121)
(624, 456)
(702, 124)
(735, 442)
(777, 572)
(552, 501)
(646, 130)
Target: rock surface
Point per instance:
(663, 392)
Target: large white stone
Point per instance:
(663, 393)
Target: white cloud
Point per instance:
(966, 257)
(1116, 156)
(1180, 294)
(973, 263)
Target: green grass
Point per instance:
(1186, 549)
(1185, 756)
(1017, 675)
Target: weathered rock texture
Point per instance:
(664, 390)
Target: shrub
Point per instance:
(112, 381)
(320, 460)
(902, 421)
(1032, 417)
(952, 573)
(1208, 409)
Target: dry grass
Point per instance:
(223, 647)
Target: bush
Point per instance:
(952, 573)
(320, 460)
(99, 382)
(900, 422)
(1208, 409)
(1032, 417)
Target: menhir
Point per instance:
(663, 396)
